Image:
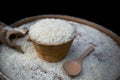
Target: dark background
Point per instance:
(106, 18)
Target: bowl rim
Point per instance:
(51, 45)
(102, 29)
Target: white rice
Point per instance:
(52, 31)
(102, 64)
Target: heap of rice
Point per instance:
(102, 64)
(52, 31)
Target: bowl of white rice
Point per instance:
(52, 38)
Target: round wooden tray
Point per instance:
(69, 18)
(74, 19)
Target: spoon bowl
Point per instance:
(72, 67)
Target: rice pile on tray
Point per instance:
(102, 64)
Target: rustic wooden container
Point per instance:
(52, 53)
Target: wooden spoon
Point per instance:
(73, 67)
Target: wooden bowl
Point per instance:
(52, 53)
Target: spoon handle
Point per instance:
(89, 49)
